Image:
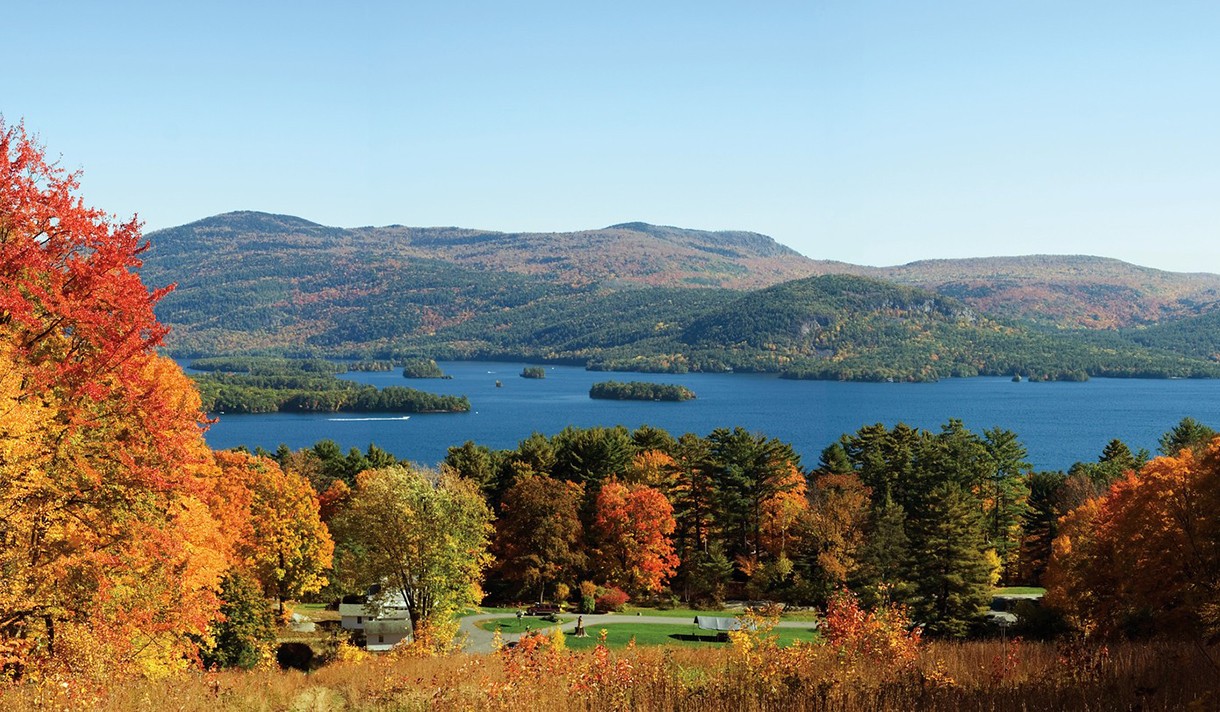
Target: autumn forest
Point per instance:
(140, 569)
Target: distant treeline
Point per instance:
(266, 365)
(371, 365)
(639, 390)
(289, 391)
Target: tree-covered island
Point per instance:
(640, 390)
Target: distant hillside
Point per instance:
(250, 282)
(1068, 291)
(628, 297)
(1063, 291)
(630, 253)
(1197, 337)
(841, 326)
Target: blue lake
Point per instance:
(1059, 423)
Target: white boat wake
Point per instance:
(357, 420)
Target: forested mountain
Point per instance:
(1071, 291)
(1198, 336)
(630, 253)
(840, 326)
(628, 297)
(1065, 291)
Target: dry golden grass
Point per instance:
(964, 676)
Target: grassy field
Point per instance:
(618, 635)
(690, 613)
(985, 675)
(1018, 590)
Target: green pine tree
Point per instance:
(884, 556)
(248, 629)
(948, 565)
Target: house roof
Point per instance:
(366, 610)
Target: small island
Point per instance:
(533, 372)
(639, 390)
(422, 368)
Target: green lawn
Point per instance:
(481, 610)
(619, 634)
(512, 625)
(690, 613)
(1015, 590)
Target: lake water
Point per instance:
(1059, 423)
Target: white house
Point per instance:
(384, 626)
(382, 634)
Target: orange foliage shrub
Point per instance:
(884, 638)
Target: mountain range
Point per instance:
(645, 297)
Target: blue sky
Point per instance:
(869, 132)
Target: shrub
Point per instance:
(588, 597)
(883, 638)
(612, 600)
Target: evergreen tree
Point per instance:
(646, 437)
(882, 561)
(1118, 454)
(1005, 495)
(244, 634)
(1188, 433)
(747, 470)
(590, 455)
(707, 572)
(536, 453)
(334, 464)
(378, 458)
(834, 460)
(948, 567)
(1040, 524)
(477, 464)
(885, 460)
(692, 497)
(1116, 460)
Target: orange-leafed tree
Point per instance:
(839, 506)
(287, 548)
(784, 514)
(109, 554)
(1145, 556)
(333, 500)
(633, 528)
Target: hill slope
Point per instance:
(630, 253)
(1067, 291)
(1064, 291)
(847, 327)
(259, 283)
